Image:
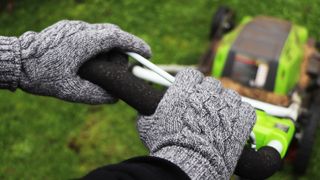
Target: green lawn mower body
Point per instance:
(271, 43)
(268, 54)
(263, 41)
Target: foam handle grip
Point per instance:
(259, 164)
(110, 71)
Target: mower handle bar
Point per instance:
(115, 77)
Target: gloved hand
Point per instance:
(46, 63)
(199, 126)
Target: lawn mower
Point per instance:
(270, 62)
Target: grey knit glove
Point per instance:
(46, 63)
(199, 126)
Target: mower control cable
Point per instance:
(158, 75)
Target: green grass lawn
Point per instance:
(45, 138)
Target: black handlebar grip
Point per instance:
(110, 71)
(259, 164)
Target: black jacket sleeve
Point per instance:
(139, 168)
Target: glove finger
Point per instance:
(103, 26)
(72, 26)
(122, 40)
(52, 36)
(131, 43)
(245, 122)
(89, 43)
(248, 114)
(82, 91)
(148, 129)
(211, 85)
(188, 78)
(232, 98)
(64, 28)
(144, 124)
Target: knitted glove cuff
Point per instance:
(193, 163)
(10, 62)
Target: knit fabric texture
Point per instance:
(46, 63)
(199, 126)
(10, 62)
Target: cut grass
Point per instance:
(45, 138)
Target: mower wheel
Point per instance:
(222, 22)
(306, 142)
